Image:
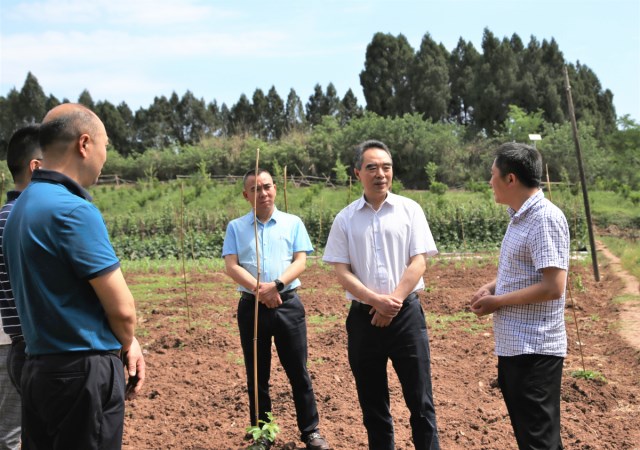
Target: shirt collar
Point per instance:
(274, 216)
(527, 205)
(50, 176)
(391, 199)
(12, 195)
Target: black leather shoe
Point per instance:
(315, 441)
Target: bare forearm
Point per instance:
(351, 283)
(411, 276)
(536, 293)
(239, 274)
(295, 269)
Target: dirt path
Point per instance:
(629, 310)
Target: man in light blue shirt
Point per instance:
(283, 245)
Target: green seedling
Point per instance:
(589, 375)
(264, 431)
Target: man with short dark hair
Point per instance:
(527, 298)
(77, 313)
(23, 157)
(378, 246)
(284, 243)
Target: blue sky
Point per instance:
(133, 50)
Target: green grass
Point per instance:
(146, 265)
(611, 208)
(628, 250)
(321, 323)
(440, 324)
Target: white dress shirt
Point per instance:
(379, 244)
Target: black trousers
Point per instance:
(287, 327)
(15, 362)
(73, 400)
(406, 343)
(530, 385)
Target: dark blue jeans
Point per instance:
(73, 400)
(287, 327)
(530, 385)
(406, 343)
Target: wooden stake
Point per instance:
(286, 203)
(257, 295)
(184, 270)
(583, 181)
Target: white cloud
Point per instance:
(98, 13)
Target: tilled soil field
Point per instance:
(195, 395)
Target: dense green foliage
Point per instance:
(147, 220)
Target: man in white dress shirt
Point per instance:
(378, 246)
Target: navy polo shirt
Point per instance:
(55, 241)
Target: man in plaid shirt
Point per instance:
(527, 298)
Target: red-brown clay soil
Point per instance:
(195, 396)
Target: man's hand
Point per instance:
(135, 368)
(269, 295)
(482, 305)
(387, 305)
(379, 320)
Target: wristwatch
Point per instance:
(279, 285)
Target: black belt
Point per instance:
(17, 338)
(78, 354)
(284, 296)
(355, 304)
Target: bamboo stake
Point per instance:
(546, 166)
(184, 270)
(257, 295)
(286, 203)
(583, 181)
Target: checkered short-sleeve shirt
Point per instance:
(537, 238)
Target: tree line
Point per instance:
(430, 105)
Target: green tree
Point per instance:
(430, 80)
(260, 111)
(495, 82)
(117, 130)
(519, 125)
(295, 118)
(463, 64)
(349, 108)
(385, 78)
(315, 106)
(241, 117)
(32, 104)
(275, 115)
(86, 100)
(194, 121)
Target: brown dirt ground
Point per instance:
(195, 396)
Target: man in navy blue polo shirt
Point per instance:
(284, 244)
(76, 311)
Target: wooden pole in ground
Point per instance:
(286, 202)
(583, 181)
(184, 270)
(257, 295)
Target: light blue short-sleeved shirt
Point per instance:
(278, 239)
